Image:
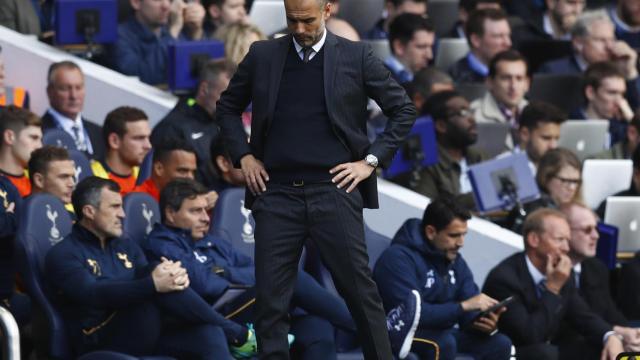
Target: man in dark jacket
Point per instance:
(425, 255)
(193, 120)
(539, 278)
(214, 267)
(110, 296)
(591, 277)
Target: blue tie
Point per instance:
(541, 287)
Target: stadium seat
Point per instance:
(233, 222)
(44, 222)
(141, 213)
(361, 14)
(444, 14)
(449, 51)
(58, 137)
(82, 164)
(538, 52)
(472, 91)
(561, 90)
(380, 48)
(145, 168)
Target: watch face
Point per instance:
(371, 160)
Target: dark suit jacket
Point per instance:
(462, 73)
(352, 74)
(531, 320)
(565, 65)
(595, 290)
(94, 131)
(628, 289)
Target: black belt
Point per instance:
(301, 182)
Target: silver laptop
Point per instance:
(624, 212)
(491, 138)
(598, 182)
(584, 137)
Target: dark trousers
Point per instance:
(285, 217)
(179, 324)
(452, 342)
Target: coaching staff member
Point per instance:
(309, 164)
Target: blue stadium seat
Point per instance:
(58, 137)
(83, 166)
(141, 213)
(233, 222)
(44, 222)
(145, 168)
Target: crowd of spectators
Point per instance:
(565, 306)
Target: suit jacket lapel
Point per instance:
(330, 58)
(275, 72)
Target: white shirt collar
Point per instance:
(67, 125)
(577, 268)
(316, 47)
(535, 273)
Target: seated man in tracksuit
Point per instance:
(214, 266)
(111, 298)
(425, 255)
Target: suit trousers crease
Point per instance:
(285, 217)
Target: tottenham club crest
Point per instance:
(54, 233)
(147, 214)
(248, 228)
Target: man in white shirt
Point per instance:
(66, 92)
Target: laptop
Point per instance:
(491, 138)
(597, 182)
(624, 213)
(584, 137)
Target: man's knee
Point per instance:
(433, 344)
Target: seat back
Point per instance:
(380, 48)
(43, 223)
(538, 52)
(361, 14)
(141, 213)
(233, 222)
(450, 51)
(561, 90)
(444, 14)
(82, 165)
(145, 168)
(58, 137)
(472, 91)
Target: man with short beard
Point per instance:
(455, 133)
(554, 24)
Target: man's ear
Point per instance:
(135, 4)
(169, 216)
(89, 212)
(114, 141)
(38, 180)
(223, 164)
(430, 232)
(9, 137)
(158, 168)
(441, 126)
(589, 92)
(474, 39)
(398, 48)
(524, 134)
(533, 240)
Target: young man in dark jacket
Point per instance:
(425, 255)
(214, 267)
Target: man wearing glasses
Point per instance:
(455, 133)
(591, 277)
(541, 279)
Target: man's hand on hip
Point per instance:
(351, 173)
(254, 174)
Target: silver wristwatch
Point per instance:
(371, 160)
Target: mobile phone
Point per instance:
(497, 306)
